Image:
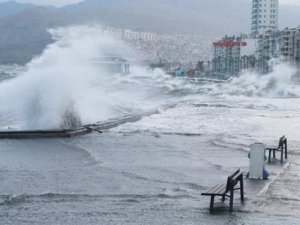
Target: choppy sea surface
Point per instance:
(152, 171)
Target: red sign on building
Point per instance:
(229, 44)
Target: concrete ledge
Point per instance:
(43, 133)
(82, 130)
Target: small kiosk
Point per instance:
(113, 64)
(257, 162)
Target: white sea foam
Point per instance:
(274, 84)
(62, 88)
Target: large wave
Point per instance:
(62, 88)
(274, 84)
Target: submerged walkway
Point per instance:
(85, 129)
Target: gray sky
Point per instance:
(47, 2)
(65, 2)
(290, 2)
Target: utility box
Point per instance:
(257, 161)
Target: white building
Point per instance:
(137, 35)
(264, 16)
(284, 44)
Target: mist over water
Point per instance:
(64, 87)
(274, 84)
(66, 82)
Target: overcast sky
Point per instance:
(47, 2)
(65, 2)
(289, 2)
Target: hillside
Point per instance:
(167, 16)
(11, 8)
(23, 27)
(25, 35)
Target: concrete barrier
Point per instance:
(82, 130)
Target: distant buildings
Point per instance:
(174, 50)
(229, 57)
(268, 46)
(234, 54)
(264, 16)
(290, 46)
(283, 44)
(266, 42)
(139, 35)
(112, 64)
(128, 34)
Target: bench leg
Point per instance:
(274, 156)
(242, 189)
(211, 208)
(285, 149)
(270, 151)
(223, 198)
(281, 156)
(231, 201)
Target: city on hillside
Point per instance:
(201, 56)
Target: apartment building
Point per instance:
(275, 44)
(264, 16)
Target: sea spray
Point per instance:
(251, 84)
(63, 89)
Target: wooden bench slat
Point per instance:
(222, 190)
(271, 148)
(212, 190)
(237, 176)
(216, 190)
(214, 187)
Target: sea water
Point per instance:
(148, 172)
